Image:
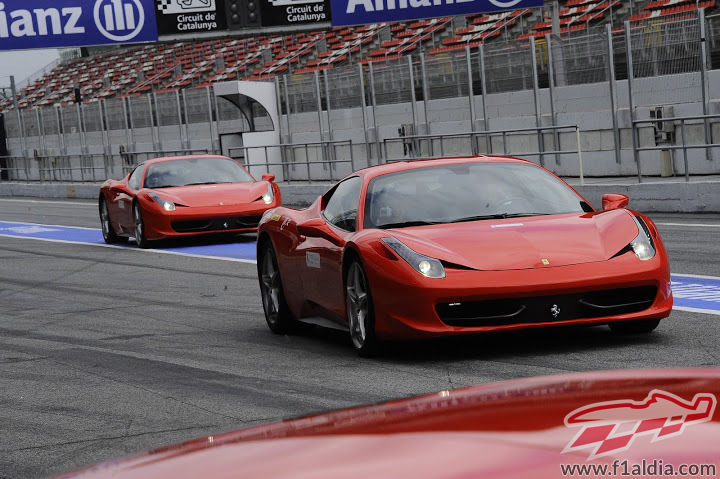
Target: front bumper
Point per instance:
(191, 221)
(406, 309)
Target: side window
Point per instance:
(341, 209)
(136, 177)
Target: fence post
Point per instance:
(319, 113)
(483, 85)
(21, 123)
(471, 99)
(703, 81)
(283, 159)
(374, 104)
(210, 116)
(579, 151)
(40, 131)
(364, 111)
(536, 95)
(330, 148)
(630, 74)
(613, 92)
(413, 103)
(426, 99)
(551, 85)
(61, 132)
(156, 118)
(183, 141)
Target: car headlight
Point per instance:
(425, 265)
(269, 197)
(642, 245)
(167, 205)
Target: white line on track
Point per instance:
(59, 202)
(49, 226)
(697, 276)
(140, 250)
(691, 225)
(697, 310)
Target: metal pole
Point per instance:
(630, 74)
(102, 109)
(703, 81)
(210, 116)
(319, 112)
(613, 92)
(330, 149)
(157, 120)
(538, 119)
(413, 103)
(426, 99)
(13, 92)
(81, 122)
(61, 132)
(551, 83)
(684, 148)
(127, 115)
(471, 99)
(579, 151)
(41, 131)
(361, 73)
(180, 119)
(374, 103)
(483, 85)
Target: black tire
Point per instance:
(360, 310)
(139, 227)
(277, 313)
(637, 326)
(108, 231)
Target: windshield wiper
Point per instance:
(404, 224)
(495, 216)
(203, 183)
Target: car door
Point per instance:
(323, 268)
(121, 198)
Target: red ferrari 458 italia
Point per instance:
(183, 196)
(460, 245)
(648, 423)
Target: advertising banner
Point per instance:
(177, 17)
(75, 23)
(360, 12)
(294, 12)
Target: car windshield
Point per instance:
(466, 192)
(195, 171)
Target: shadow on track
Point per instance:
(494, 345)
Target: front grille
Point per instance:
(540, 309)
(215, 224)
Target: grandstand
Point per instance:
(162, 68)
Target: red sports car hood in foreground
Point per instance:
(559, 239)
(221, 194)
(644, 423)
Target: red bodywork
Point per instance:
(206, 208)
(548, 259)
(513, 429)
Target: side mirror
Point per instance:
(614, 201)
(317, 228)
(268, 177)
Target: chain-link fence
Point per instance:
(666, 48)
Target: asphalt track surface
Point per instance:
(109, 351)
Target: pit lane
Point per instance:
(107, 351)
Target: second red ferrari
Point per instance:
(460, 245)
(184, 196)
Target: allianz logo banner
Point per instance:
(360, 12)
(70, 23)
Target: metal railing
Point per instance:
(79, 168)
(678, 126)
(311, 161)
